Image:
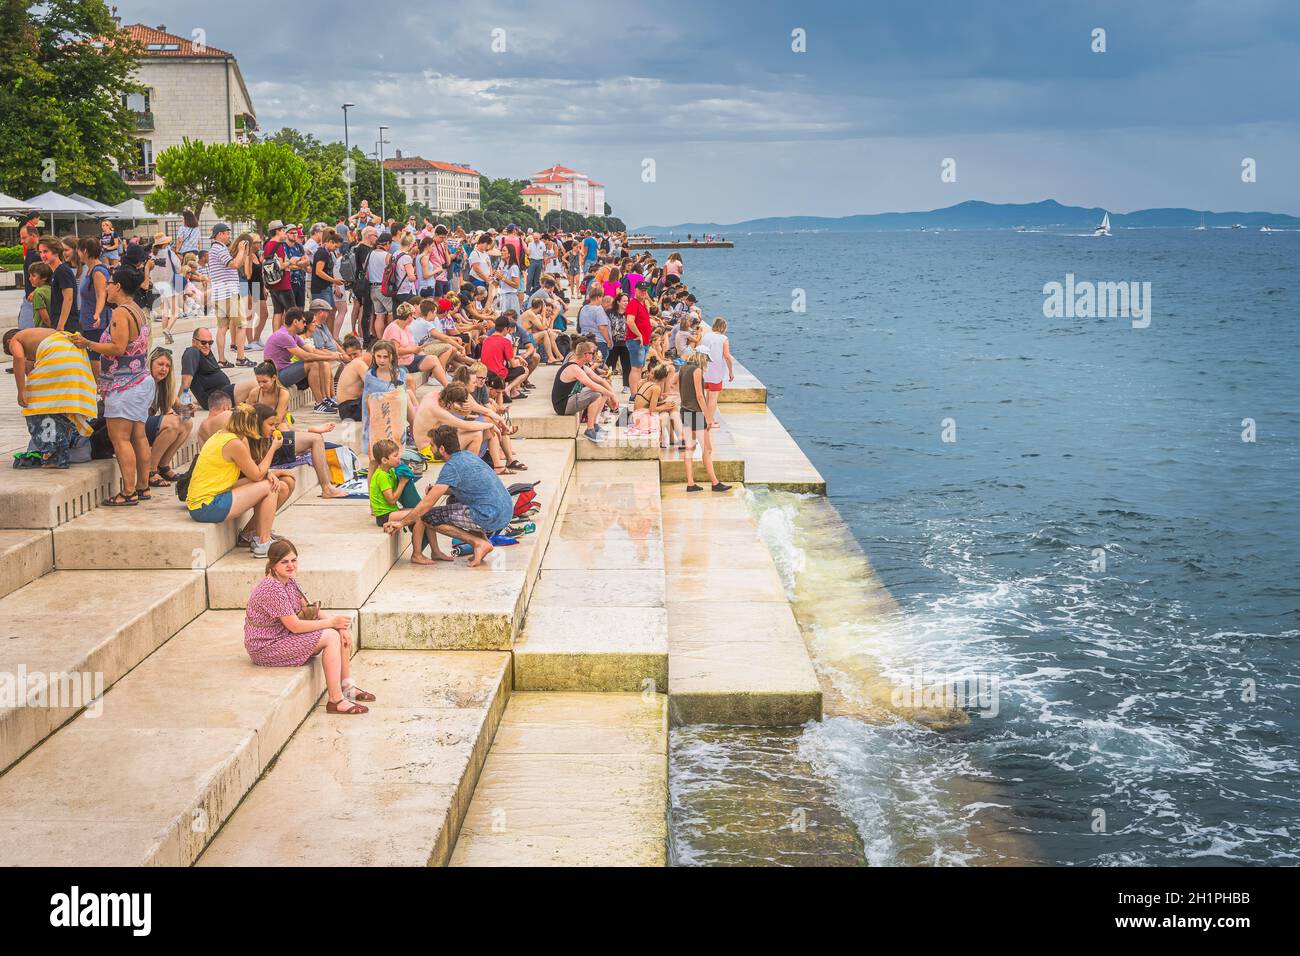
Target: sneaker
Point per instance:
(721, 487)
(324, 405)
(259, 548)
(592, 434)
(694, 488)
(253, 347)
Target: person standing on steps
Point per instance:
(695, 422)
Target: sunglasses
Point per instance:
(203, 341)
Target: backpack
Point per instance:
(348, 268)
(525, 497)
(361, 279)
(272, 271)
(393, 278)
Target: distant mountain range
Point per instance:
(974, 214)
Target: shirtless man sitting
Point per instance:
(347, 392)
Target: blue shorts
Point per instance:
(293, 373)
(215, 511)
(636, 352)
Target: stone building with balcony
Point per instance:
(191, 90)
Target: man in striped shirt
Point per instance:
(223, 271)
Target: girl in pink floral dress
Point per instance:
(275, 636)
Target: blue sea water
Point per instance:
(1161, 690)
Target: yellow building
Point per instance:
(543, 200)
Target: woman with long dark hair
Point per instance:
(617, 312)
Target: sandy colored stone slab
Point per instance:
(588, 589)
(46, 498)
(740, 664)
(454, 606)
(24, 557)
(179, 742)
(772, 457)
(342, 556)
(745, 387)
(618, 445)
(156, 534)
(576, 780)
(388, 788)
(44, 631)
(593, 649)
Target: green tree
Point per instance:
(63, 116)
(195, 174)
(278, 188)
(326, 162)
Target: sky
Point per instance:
(739, 125)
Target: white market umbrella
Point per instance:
(10, 204)
(99, 208)
(55, 203)
(132, 209)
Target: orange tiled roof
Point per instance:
(537, 191)
(550, 179)
(157, 37)
(555, 171)
(407, 163)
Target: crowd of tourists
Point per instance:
(353, 313)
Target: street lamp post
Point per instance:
(383, 202)
(347, 158)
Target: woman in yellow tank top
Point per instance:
(226, 480)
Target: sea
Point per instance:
(1092, 518)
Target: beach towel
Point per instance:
(61, 383)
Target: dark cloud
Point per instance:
(714, 88)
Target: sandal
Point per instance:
(357, 694)
(119, 500)
(353, 709)
(505, 470)
(169, 473)
(156, 480)
(517, 465)
(143, 495)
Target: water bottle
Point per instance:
(187, 404)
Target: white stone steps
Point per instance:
(572, 780)
(387, 788)
(24, 557)
(155, 534)
(93, 625)
(451, 606)
(180, 741)
(342, 555)
(736, 654)
(580, 640)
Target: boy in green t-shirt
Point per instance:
(40, 274)
(386, 489)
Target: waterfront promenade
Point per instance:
(523, 707)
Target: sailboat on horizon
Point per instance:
(1104, 228)
(1201, 227)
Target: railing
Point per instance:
(143, 121)
(138, 174)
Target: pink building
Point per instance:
(578, 193)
